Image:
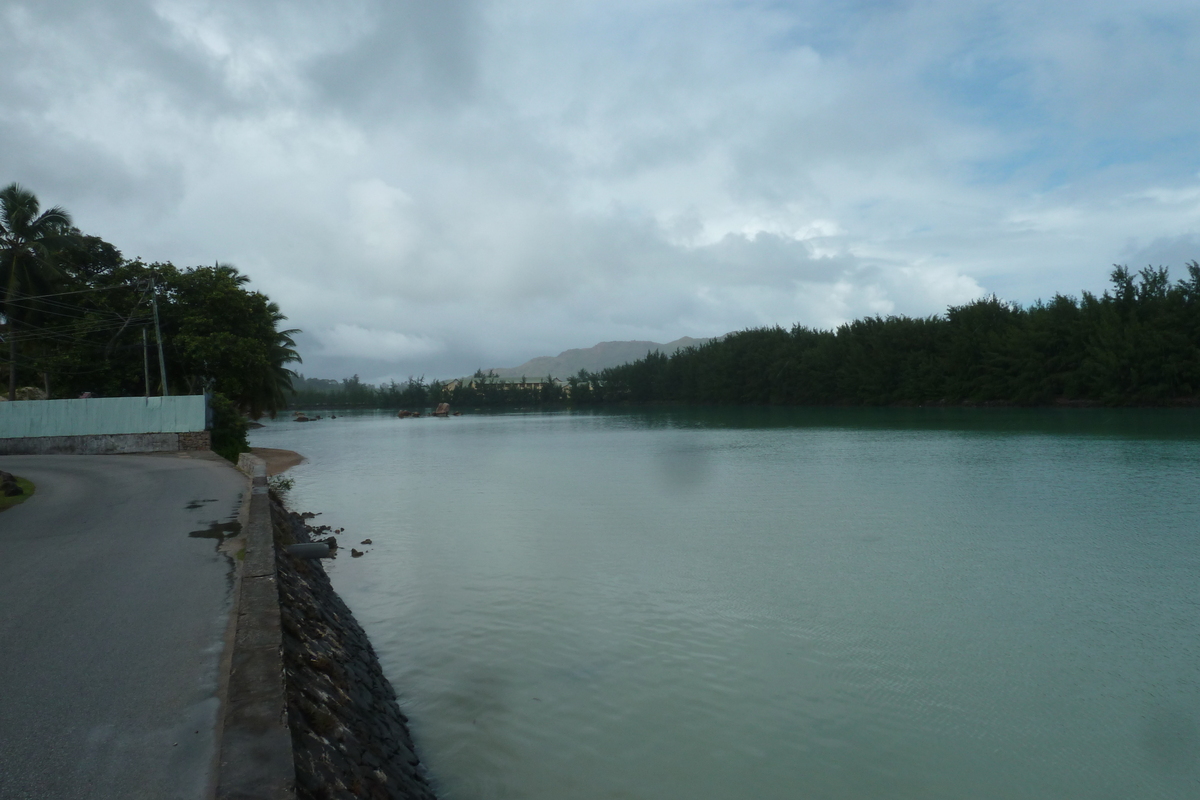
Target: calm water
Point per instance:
(858, 604)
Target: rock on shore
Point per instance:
(348, 733)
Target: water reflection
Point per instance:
(1165, 423)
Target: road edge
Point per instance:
(255, 752)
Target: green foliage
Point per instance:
(217, 334)
(30, 244)
(229, 428)
(353, 393)
(222, 335)
(1137, 344)
(482, 390)
(78, 319)
(281, 484)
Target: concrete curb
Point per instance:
(256, 761)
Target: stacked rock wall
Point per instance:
(349, 736)
(198, 440)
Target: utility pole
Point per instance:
(162, 364)
(146, 360)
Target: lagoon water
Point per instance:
(777, 604)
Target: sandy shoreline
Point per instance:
(277, 460)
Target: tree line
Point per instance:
(482, 390)
(80, 318)
(1138, 343)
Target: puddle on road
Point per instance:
(192, 506)
(220, 531)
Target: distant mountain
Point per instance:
(593, 359)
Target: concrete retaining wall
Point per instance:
(104, 425)
(102, 416)
(255, 761)
(106, 443)
(308, 713)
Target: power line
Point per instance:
(79, 313)
(71, 333)
(24, 296)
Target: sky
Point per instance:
(427, 188)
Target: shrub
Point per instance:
(229, 428)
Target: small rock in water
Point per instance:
(366, 541)
(355, 553)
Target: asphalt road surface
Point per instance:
(114, 602)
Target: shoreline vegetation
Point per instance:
(1137, 344)
(79, 319)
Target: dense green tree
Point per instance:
(1138, 343)
(223, 336)
(217, 334)
(29, 245)
(95, 332)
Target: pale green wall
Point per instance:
(101, 415)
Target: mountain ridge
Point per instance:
(593, 359)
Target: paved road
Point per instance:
(112, 623)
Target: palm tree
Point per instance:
(28, 244)
(280, 352)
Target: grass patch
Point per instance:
(9, 502)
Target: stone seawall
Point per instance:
(349, 737)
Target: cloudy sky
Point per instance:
(430, 187)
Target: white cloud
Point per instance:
(514, 179)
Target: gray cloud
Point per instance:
(409, 52)
(434, 187)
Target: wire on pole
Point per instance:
(162, 363)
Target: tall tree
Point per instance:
(29, 243)
(220, 333)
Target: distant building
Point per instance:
(524, 383)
